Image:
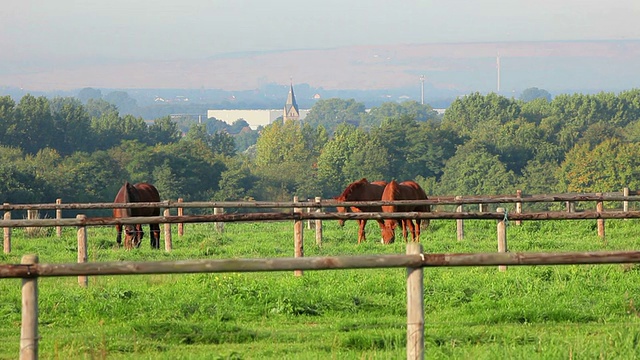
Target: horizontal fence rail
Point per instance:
(316, 263)
(433, 200)
(101, 221)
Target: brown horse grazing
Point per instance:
(406, 190)
(362, 190)
(133, 234)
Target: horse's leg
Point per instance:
(412, 229)
(418, 230)
(404, 229)
(155, 235)
(362, 224)
(119, 235)
(381, 224)
(140, 230)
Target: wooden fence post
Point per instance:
(518, 206)
(459, 222)
(309, 220)
(7, 232)
(29, 330)
(625, 204)
(318, 225)
(600, 208)
(298, 247)
(481, 207)
(415, 307)
(502, 237)
(571, 206)
(32, 214)
(219, 225)
(180, 213)
(58, 217)
(83, 280)
(168, 245)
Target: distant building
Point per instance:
(291, 111)
(257, 118)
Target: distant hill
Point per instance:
(449, 69)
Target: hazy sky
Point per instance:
(90, 30)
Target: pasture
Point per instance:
(532, 312)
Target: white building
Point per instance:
(257, 118)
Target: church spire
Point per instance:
(291, 110)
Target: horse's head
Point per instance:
(389, 231)
(133, 235)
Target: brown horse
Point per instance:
(406, 190)
(133, 234)
(362, 190)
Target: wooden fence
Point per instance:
(298, 215)
(415, 260)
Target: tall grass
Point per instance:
(534, 312)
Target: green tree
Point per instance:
(237, 181)
(167, 182)
(428, 149)
(393, 110)
(610, 165)
(98, 108)
(137, 159)
(474, 171)
(395, 136)
(195, 166)
(18, 180)
(220, 142)
(476, 113)
(88, 93)
(84, 177)
(282, 159)
(538, 178)
(332, 112)
(534, 93)
(163, 131)
(121, 99)
(32, 128)
(7, 116)
(350, 155)
(72, 126)
(245, 139)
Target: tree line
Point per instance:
(483, 144)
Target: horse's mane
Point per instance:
(351, 188)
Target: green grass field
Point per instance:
(533, 312)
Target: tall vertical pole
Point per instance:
(498, 66)
(422, 89)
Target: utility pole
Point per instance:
(498, 66)
(422, 89)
